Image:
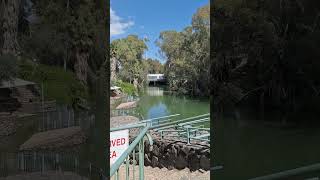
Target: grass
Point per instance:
(58, 84)
(126, 87)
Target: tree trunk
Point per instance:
(81, 65)
(135, 82)
(113, 68)
(10, 27)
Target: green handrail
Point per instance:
(146, 125)
(138, 140)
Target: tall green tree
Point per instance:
(187, 54)
(263, 51)
(128, 52)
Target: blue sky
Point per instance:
(147, 18)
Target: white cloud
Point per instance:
(118, 26)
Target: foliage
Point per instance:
(58, 84)
(265, 53)
(68, 31)
(154, 66)
(127, 88)
(8, 67)
(187, 53)
(128, 51)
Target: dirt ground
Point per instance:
(164, 174)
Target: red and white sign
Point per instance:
(119, 142)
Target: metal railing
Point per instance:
(125, 157)
(160, 124)
(186, 130)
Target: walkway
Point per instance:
(165, 174)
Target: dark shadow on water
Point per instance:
(249, 147)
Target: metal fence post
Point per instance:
(188, 136)
(141, 160)
(127, 168)
(134, 163)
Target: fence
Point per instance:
(144, 126)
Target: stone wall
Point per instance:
(177, 155)
(169, 153)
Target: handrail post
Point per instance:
(188, 135)
(134, 163)
(141, 160)
(127, 168)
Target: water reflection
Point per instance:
(156, 101)
(264, 148)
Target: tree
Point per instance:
(9, 16)
(128, 51)
(154, 66)
(261, 52)
(187, 55)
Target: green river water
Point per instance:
(157, 101)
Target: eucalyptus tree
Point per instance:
(263, 51)
(129, 53)
(188, 55)
(9, 19)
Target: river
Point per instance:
(157, 101)
(249, 148)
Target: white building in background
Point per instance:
(156, 77)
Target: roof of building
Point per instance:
(155, 74)
(15, 82)
(114, 88)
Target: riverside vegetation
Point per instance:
(186, 54)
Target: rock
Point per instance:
(155, 150)
(181, 162)
(127, 105)
(194, 162)
(174, 152)
(185, 149)
(147, 161)
(154, 161)
(204, 163)
(205, 151)
(170, 167)
(162, 162)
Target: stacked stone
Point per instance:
(177, 155)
